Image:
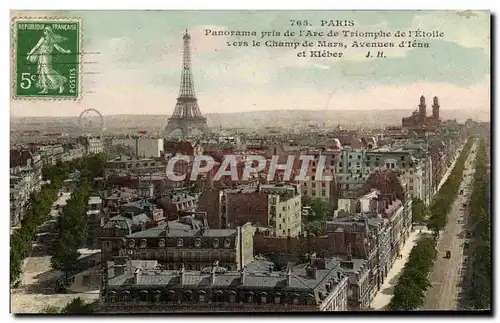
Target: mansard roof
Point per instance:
(178, 231)
(255, 278)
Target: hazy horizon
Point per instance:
(409, 111)
(139, 65)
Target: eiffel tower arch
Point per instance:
(187, 114)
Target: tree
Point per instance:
(278, 261)
(65, 259)
(316, 227)
(77, 306)
(410, 289)
(73, 223)
(480, 292)
(417, 277)
(441, 204)
(40, 205)
(195, 187)
(419, 210)
(321, 210)
(406, 297)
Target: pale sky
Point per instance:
(139, 64)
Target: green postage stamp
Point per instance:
(47, 58)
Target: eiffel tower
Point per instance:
(187, 114)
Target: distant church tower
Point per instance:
(435, 109)
(422, 110)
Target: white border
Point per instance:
(17, 19)
(201, 4)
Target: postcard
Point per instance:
(250, 161)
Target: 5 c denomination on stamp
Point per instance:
(46, 58)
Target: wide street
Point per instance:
(446, 276)
(384, 295)
(38, 279)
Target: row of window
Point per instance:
(378, 158)
(375, 164)
(180, 243)
(323, 193)
(314, 184)
(137, 165)
(217, 297)
(295, 226)
(170, 256)
(284, 233)
(198, 266)
(351, 156)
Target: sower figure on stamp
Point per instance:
(41, 54)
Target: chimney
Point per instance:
(120, 260)
(373, 205)
(181, 274)
(270, 268)
(349, 253)
(339, 275)
(242, 275)
(380, 206)
(120, 265)
(312, 272)
(347, 264)
(320, 263)
(312, 257)
(137, 274)
(288, 277)
(119, 270)
(212, 276)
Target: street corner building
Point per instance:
(138, 286)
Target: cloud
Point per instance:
(374, 98)
(202, 44)
(125, 99)
(443, 62)
(141, 55)
(120, 50)
(469, 31)
(251, 67)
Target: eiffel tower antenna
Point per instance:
(187, 114)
